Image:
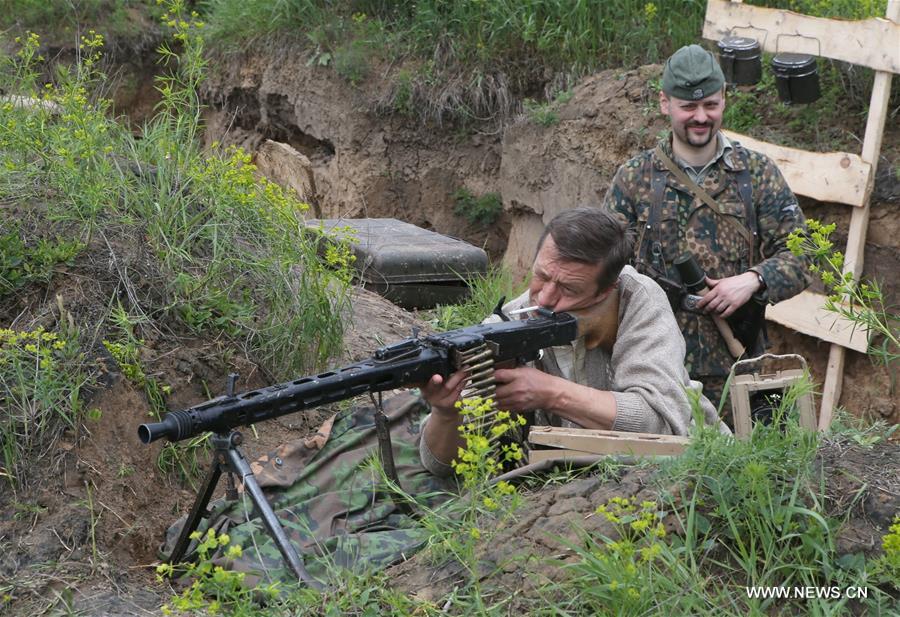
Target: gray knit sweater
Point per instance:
(645, 371)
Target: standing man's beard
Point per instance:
(690, 139)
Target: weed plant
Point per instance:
(545, 114)
(844, 9)
(738, 514)
(227, 254)
(216, 590)
(482, 211)
(22, 265)
(62, 19)
(42, 376)
(458, 528)
(862, 303)
(484, 294)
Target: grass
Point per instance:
(484, 294)
(463, 60)
(475, 61)
(43, 374)
(483, 210)
(728, 515)
(126, 24)
(220, 253)
(742, 514)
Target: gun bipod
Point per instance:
(228, 459)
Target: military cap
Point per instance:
(692, 73)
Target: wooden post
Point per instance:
(859, 224)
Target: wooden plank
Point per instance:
(859, 221)
(869, 42)
(607, 442)
(805, 313)
(825, 176)
(740, 409)
(833, 386)
(536, 456)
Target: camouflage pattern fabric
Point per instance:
(688, 225)
(332, 504)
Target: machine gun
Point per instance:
(475, 349)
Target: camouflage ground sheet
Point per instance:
(331, 500)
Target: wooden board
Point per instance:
(806, 314)
(536, 456)
(590, 441)
(825, 176)
(869, 42)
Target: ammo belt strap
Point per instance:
(658, 182)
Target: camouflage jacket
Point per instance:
(687, 225)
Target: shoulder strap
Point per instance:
(702, 195)
(745, 190)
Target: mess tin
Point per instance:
(796, 78)
(741, 60)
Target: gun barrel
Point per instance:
(174, 427)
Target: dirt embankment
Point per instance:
(357, 164)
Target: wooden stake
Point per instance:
(859, 223)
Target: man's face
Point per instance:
(562, 285)
(694, 123)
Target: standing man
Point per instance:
(625, 371)
(701, 194)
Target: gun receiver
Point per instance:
(408, 362)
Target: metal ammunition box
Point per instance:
(410, 266)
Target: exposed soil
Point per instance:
(83, 534)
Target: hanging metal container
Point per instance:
(796, 77)
(741, 60)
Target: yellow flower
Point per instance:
(234, 552)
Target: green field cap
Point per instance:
(692, 73)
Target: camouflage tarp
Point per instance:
(331, 501)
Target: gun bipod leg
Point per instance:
(198, 511)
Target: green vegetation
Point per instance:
(729, 515)
(67, 19)
(845, 9)
(545, 113)
(484, 294)
(743, 514)
(21, 265)
(42, 376)
(558, 33)
(457, 529)
(483, 210)
(862, 303)
(199, 244)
